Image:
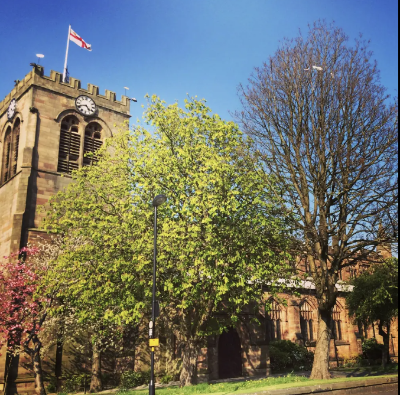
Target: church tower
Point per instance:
(46, 127)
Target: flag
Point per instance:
(78, 40)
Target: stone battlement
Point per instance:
(72, 88)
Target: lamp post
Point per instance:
(153, 342)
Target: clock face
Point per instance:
(11, 109)
(85, 105)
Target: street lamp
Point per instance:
(153, 342)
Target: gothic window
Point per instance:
(362, 329)
(70, 143)
(337, 324)
(10, 151)
(92, 142)
(306, 322)
(273, 321)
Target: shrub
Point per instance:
(51, 385)
(371, 349)
(133, 379)
(286, 355)
(353, 362)
(108, 380)
(167, 378)
(73, 383)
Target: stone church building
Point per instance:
(46, 127)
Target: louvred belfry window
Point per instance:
(70, 143)
(92, 142)
(10, 151)
(306, 322)
(273, 321)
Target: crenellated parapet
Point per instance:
(54, 83)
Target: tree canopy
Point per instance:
(375, 298)
(327, 131)
(220, 237)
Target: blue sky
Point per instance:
(174, 47)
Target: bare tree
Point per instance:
(327, 130)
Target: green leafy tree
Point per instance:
(221, 236)
(375, 298)
(95, 272)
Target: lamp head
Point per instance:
(159, 200)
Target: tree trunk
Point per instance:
(58, 365)
(320, 369)
(189, 364)
(37, 366)
(11, 374)
(95, 382)
(386, 343)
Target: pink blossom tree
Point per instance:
(22, 313)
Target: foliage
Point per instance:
(286, 355)
(19, 312)
(372, 349)
(23, 312)
(51, 385)
(353, 362)
(375, 298)
(74, 383)
(133, 379)
(327, 131)
(167, 378)
(375, 294)
(219, 232)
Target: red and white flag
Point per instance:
(78, 40)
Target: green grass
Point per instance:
(308, 383)
(223, 388)
(392, 368)
(245, 386)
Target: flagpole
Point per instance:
(66, 56)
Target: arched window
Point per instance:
(362, 329)
(306, 322)
(92, 143)
(70, 143)
(337, 323)
(273, 321)
(10, 151)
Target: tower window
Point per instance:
(92, 142)
(70, 143)
(10, 151)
